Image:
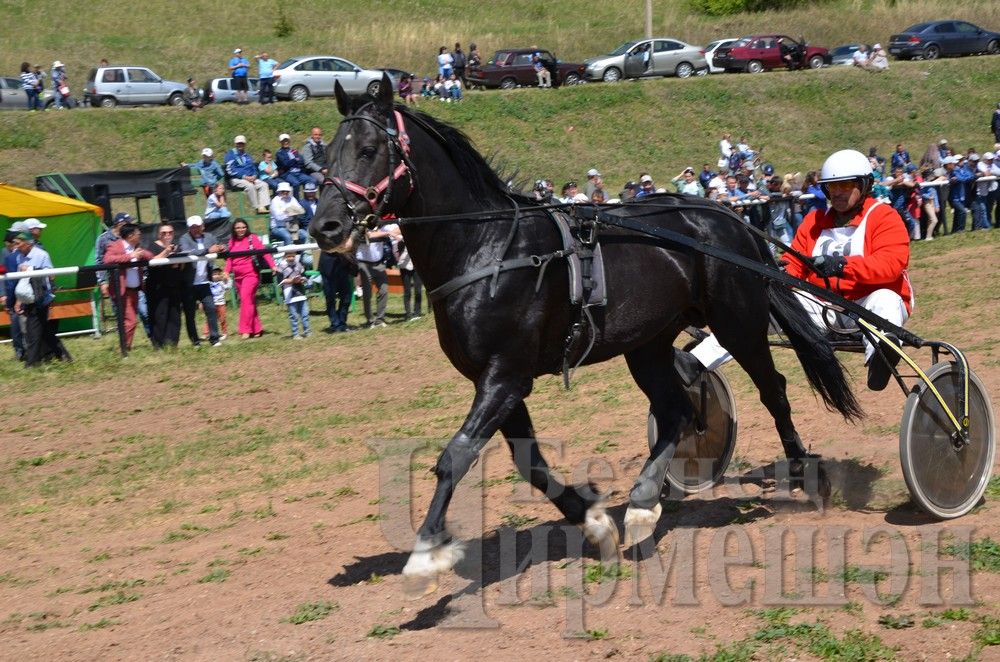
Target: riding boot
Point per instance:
(881, 365)
(687, 366)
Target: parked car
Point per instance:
(936, 38)
(304, 76)
(758, 53)
(512, 67)
(710, 53)
(12, 96)
(109, 86)
(220, 90)
(395, 75)
(660, 56)
(844, 55)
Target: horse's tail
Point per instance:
(820, 363)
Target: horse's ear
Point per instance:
(343, 102)
(384, 96)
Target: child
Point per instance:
(426, 89)
(453, 86)
(219, 286)
(268, 170)
(293, 284)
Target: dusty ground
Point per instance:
(151, 513)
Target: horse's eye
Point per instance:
(368, 152)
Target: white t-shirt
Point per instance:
(860, 57)
(984, 188)
(201, 266)
(132, 278)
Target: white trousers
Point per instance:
(885, 303)
(258, 192)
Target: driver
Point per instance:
(860, 250)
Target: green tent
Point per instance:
(73, 227)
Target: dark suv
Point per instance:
(512, 67)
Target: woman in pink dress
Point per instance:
(247, 278)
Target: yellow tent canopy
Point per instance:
(17, 203)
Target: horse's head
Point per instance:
(370, 174)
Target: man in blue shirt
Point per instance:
(39, 332)
(210, 171)
(900, 158)
(242, 171)
(959, 176)
(265, 71)
(239, 67)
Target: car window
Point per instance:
(223, 83)
(918, 27)
(308, 65)
(501, 58)
(113, 76)
(674, 45)
(765, 42)
(944, 28)
(10, 83)
(522, 59)
(966, 28)
(624, 48)
(287, 63)
(141, 76)
(342, 65)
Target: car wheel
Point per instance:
(508, 83)
(108, 102)
(684, 70)
(993, 47)
(816, 61)
(176, 99)
(932, 52)
(572, 79)
(299, 93)
(702, 72)
(373, 87)
(754, 67)
(612, 74)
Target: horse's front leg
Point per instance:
(497, 393)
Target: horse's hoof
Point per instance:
(601, 531)
(426, 562)
(640, 523)
(419, 586)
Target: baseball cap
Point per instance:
(943, 141)
(17, 227)
(309, 187)
(568, 185)
(194, 220)
(57, 64)
(237, 50)
(33, 223)
(689, 169)
(284, 137)
(284, 186)
(122, 217)
(240, 139)
(593, 173)
(768, 169)
(989, 155)
(645, 178)
(911, 167)
(25, 236)
(207, 152)
(973, 157)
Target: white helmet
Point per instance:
(847, 164)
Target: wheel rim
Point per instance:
(572, 79)
(755, 67)
(176, 100)
(816, 62)
(611, 75)
(702, 457)
(108, 102)
(684, 70)
(993, 47)
(373, 88)
(945, 481)
(508, 83)
(931, 53)
(299, 93)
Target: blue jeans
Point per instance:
(338, 289)
(298, 313)
(958, 216)
(900, 206)
(297, 179)
(34, 99)
(272, 183)
(285, 236)
(143, 311)
(16, 338)
(980, 221)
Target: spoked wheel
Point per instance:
(707, 443)
(946, 478)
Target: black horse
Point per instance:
(503, 332)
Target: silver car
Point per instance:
(299, 78)
(648, 57)
(112, 85)
(13, 96)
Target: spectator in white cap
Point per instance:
(879, 61)
(243, 175)
(943, 149)
(984, 189)
(35, 227)
(594, 182)
(197, 280)
(239, 68)
(645, 186)
(210, 171)
(60, 85)
(286, 216)
(291, 166)
(688, 184)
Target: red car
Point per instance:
(757, 53)
(513, 67)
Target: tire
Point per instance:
(108, 102)
(611, 75)
(684, 70)
(572, 79)
(373, 87)
(816, 62)
(993, 47)
(932, 52)
(702, 72)
(754, 67)
(298, 93)
(944, 480)
(176, 99)
(508, 83)
(689, 472)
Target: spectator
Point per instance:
(541, 71)
(215, 206)
(779, 211)
(542, 191)
(406, 90)
(220, 285)
(705, 176)
(453, 89)
(267, 170)
(943, 150)
(597, 197)
(293, 286)
(475, 59)
(958, 178)
(994, 201)
(242, 173)
(309, 202)
(427, 88)
(371, 266)
(688, 184)
(246, 272)
(124, 251)
(210, 171)
(811, 187)
(412, 286)
(931, 160)
(265, 73)
(197, 278)
(930, 199)
(38, 331)
(239, 67)
(60, 86)
(995, 123)
(901, 185)
(594, 182)
(984, 187)
(646, 186)
(291, 166)
(192, 96)
(285, 215)
(32, 87)
(445, 63)
(569, 191)
(9, 299)
(900, 157)
(314, 156)
(458, 62)
(164, 287)
(35, 227)
(338, 274)
(113, 233)
(767, 172)
(860, 57)
(628, 191)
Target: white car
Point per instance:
(660, 56)
(299, 78)
(710, 52)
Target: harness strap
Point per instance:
(533, 261)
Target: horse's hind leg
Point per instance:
(652, 368)
(588, 513)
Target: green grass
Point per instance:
(984, 554)
(598, 573)
(311, 611)
(383, 631)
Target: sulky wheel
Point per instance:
(707, 443)
(945, 478)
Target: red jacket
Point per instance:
(883, 265)
(115, 254)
